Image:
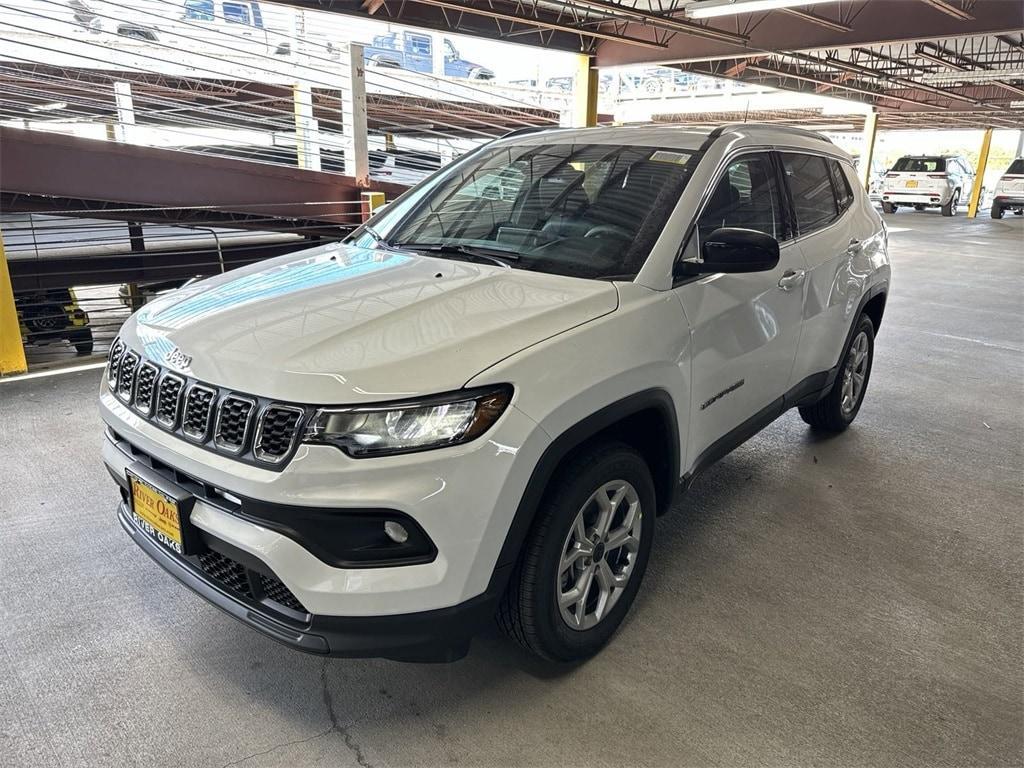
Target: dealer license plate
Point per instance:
(156, 513)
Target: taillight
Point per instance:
(938, 176)
(892, 175)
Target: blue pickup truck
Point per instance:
(415, 51)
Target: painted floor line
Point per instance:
(57, 372)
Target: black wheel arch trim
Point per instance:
(878, 289)
(572, 438)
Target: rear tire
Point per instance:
(888, 208)
(997, 212)
(603, 496)
(837, 409)
(949, 209)
(918, 207)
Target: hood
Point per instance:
(340, 325)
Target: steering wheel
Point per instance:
(604, 230)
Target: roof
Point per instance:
(674, 136)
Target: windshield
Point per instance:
(920, 164)
(584, 210)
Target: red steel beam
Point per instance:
(53, 165)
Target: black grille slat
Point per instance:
(169, 400)
(277, 431)
(126, 375)
(195, 421)
(114, 361)
(233, 419)
(145, 387)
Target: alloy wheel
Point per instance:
(855, 371)
(599, 555)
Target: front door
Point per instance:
(745, 328)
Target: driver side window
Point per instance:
(746, 196)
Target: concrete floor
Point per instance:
(851, 601)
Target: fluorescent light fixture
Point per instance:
(976, 76)
(711, 8)
(53, 106)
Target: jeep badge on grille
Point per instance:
(178, 359)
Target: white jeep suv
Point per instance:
(478, 404)
(1009, 194)
(928, 181)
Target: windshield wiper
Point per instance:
(378, 238)
(472, 252)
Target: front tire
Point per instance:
(837, 409)
(582, 563)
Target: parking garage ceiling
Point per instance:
(917, 62)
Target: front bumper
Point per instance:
(464, 499)
(439, 635)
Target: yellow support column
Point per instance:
(979, 174)
(12, 352)
(370, 202)
(867, 152)
(584, 112)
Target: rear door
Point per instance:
(830, 235)
(966, 179)
(745, 327)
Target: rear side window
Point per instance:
(844, 194)
(420, 46)
(1016, 167)
(747, 196)
(236, 13)
(920, 165)
(811, 189)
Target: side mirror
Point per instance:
(734, 250)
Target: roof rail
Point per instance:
(730, 127)
(528, 129)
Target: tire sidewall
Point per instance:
(562, 642)
(864, 324)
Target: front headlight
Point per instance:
(414, 425)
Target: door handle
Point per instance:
(791, 278)
(854, 246)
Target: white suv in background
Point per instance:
(478, 404)
(928, 181)
(1009, 194)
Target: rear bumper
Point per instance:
(1008, 201)
(916, 198)
(428, 636)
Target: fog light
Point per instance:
(396, 532)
